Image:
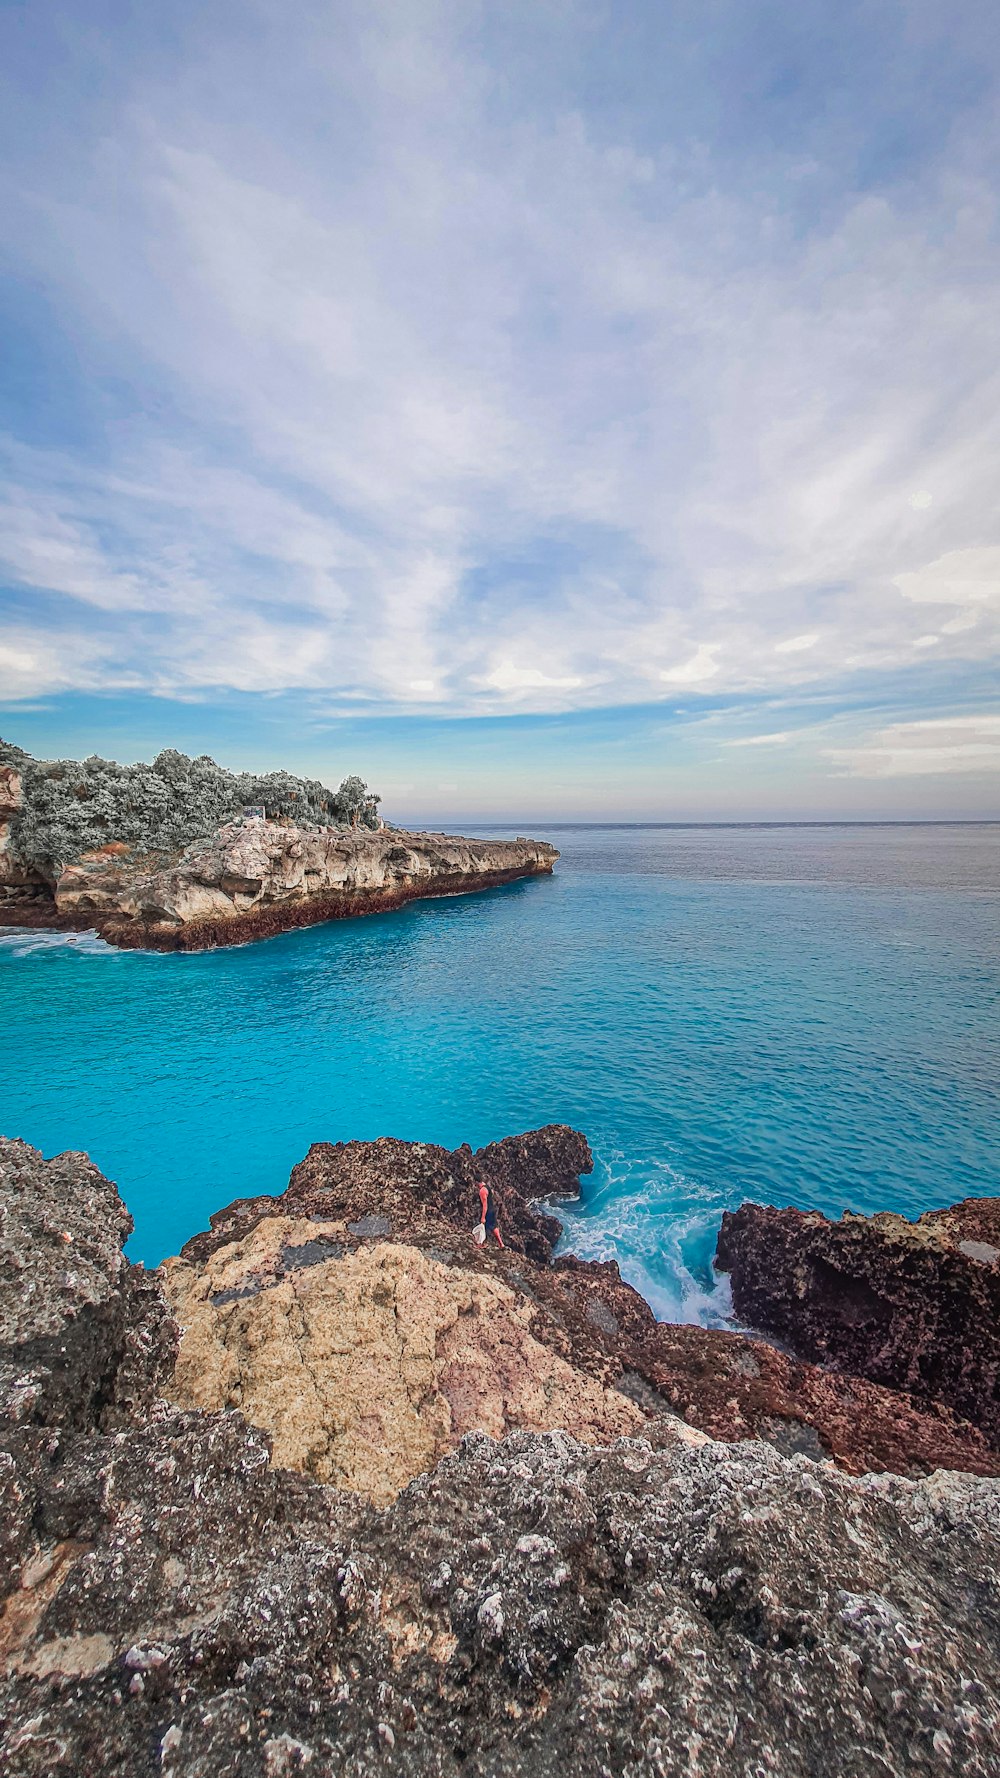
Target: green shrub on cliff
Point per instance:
(73, 806)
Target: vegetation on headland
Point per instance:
(75, 806)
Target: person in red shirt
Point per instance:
(488, 1220)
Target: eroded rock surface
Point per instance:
(911, 1305)
(528, 1607)
(83, 1335)
(22, 889)
(172, 1601)
(734, 1387)
(369, 1252)
(367, 1362)
(255, 878)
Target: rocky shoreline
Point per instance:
(256, 1294)
(251, 878)
(255, 879)
(337, 1491)
(913, 1306)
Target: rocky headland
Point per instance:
(137, 855)
(337, 1491)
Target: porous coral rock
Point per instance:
(423, 1198)
(172, 1602)
(529, 1605)
(83, 1334)
(913, 1306)
(736, 1387)
(367, 1365)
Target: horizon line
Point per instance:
(806, 821)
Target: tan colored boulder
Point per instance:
(367, 1366)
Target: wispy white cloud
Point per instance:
(697, 670)
(939, 745)
(456, 398)
(510, 678)
(777, 740)
(71, 661)
(968, 578)
(797, 644)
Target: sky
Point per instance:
(548, 409)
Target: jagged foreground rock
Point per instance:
(911, 1305)
(175, 1603)
(355, 1321)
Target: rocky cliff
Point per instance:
(254, 878)
(173, 1601)
(184, 855)
(362, 1282)
(911, 1305)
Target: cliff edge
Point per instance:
(163, 857)
(910, 1305)
(172, 1601)
(255, 879)
(355, 1321)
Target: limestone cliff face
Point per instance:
(172, 1602)
(10, 806)
(20, 887)
(255, 878)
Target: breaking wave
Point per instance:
(21, 941)
(660, 1227)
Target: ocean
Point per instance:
(799, 1015)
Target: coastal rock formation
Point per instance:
(528, 1606)
(255, 878)
(911, 1305)
(183, 855)
(84, 1336)
(357, 1323)
(366, 1364)
(21, 887)
(369, 1252)
(408, 1184)
(11, 797)
(734, 1387)
(172, 1601)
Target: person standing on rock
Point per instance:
(488, 1220)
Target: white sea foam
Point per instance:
(22, 941)
(661, 1229)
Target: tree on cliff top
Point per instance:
(357, 804)
(73, 806)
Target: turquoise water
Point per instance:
(804, 1016)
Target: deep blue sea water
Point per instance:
(799, 1015)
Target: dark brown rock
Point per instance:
(733, 1387)
(911, 1305)
(415, 1185)
(84, 1336)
